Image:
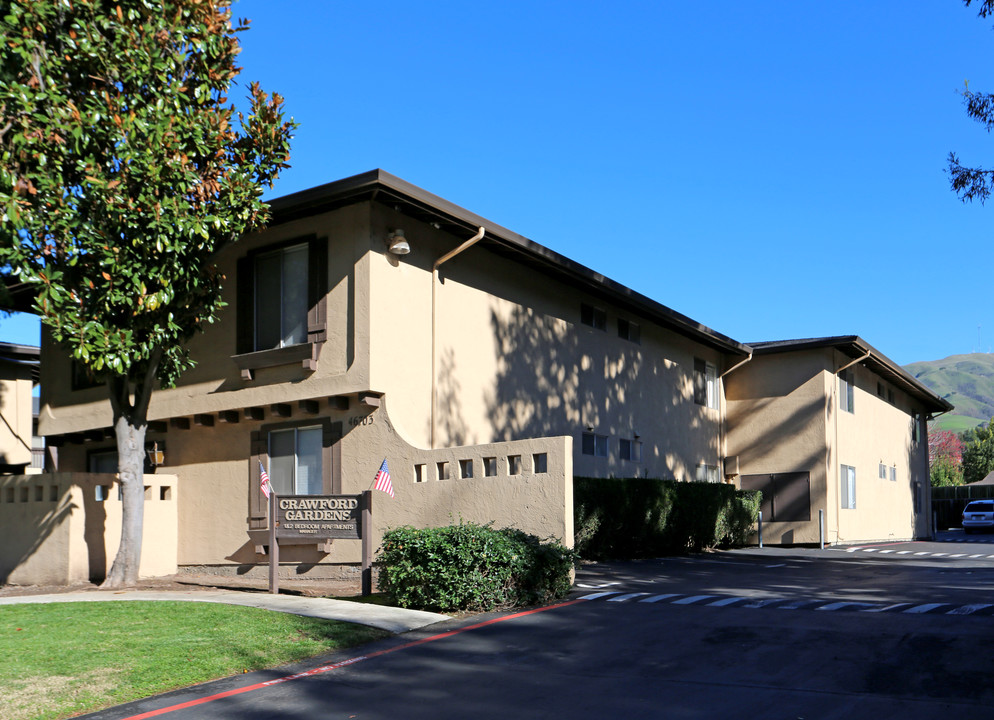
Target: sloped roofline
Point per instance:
(854, 347)
(383, 187)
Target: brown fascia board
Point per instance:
(854, 347)
(388, 189)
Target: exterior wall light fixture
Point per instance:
(397, 244)
(155, 455)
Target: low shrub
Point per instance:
(471, 567)
(622, 518)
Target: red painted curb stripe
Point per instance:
(343, 663)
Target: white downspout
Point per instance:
(434, 277)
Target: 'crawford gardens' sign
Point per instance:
(318, 518)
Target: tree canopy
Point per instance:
(124, 169)
(978, 453)
(975, 183)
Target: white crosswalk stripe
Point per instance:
(918, 609)
(787, 603)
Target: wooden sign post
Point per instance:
(318, 518)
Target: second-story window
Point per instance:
(281, 297)
(629, 330)
(705, 384)
(846, 397)
(595, 317)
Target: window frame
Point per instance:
(331, 462)
(847, 487)
(247, 356)
(707, 473)
(629, 330)
(593, 316)
(706, 392)
(600, 442)
(847, 392)
(634, 453)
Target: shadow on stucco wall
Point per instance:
(554, 380)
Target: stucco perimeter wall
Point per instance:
(536, 501)
(777, 408)
(54, 530)
(878, 432)
(512, 360)
(216, 480)
(215, 383)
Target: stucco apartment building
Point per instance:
(373, 320)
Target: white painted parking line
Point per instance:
(958, 555)
(968, 609)
(692, 600)
(726, 601)
(627, 596)
(870, 549)
(853, 549)
(886, 608)
(976, 556)
(924, 608)
(657, 598)
(597, 596)
(904, 552)
(921, 553)
(939, 554)
(885, 552)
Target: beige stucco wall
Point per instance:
(215, 482)
(777, 409)
(877, 432)
(512, 360)
(215, 383)
(784, 416)
(518, 375)
(15, 408)
(55, 531)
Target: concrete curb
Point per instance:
(396, 620)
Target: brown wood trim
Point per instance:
(289, 355)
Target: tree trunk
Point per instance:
(130, 424)
(130, 468)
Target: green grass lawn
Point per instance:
(64, 659)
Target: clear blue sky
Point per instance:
(772, 169)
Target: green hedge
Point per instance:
(643, 517)
(471, 567)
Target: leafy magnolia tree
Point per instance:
(975, 183)
(123, 170)
(978, 453)
(945, 458)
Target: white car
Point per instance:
(978, 515)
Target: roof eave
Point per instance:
(383, 187)
(855, 347)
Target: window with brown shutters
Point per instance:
(281, 304)
(301, 457)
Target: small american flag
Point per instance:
(382, 481)
(264, 481)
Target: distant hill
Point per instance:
(967, 381)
